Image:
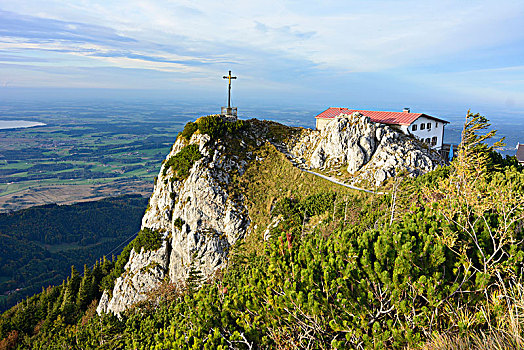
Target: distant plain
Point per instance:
(88, 150)
(82, 153)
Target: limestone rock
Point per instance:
(213, 220)
(370, 152)
(143, 272)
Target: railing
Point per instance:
(445, 149)
(229, 111)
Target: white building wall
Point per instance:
(322, 122)
(436, 130)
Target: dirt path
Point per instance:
(341, 183)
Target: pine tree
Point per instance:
(85, 290)
(194, 275)
(479, 210)
(473, 154)
(68, 307)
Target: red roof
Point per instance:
(399, 118)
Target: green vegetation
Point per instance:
(182, 162)
(148, 240)
(189, 130)
(38, 245)
(272, 177)
(55, 309)
(215, 126)
(178, 223)
(439, 266)
(108, 282)
(212, 125)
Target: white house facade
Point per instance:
(429, 130)
(520, 153)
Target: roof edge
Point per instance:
(318, 116)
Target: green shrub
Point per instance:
(313, 205)
(147, 239)
(319, 203)
(182, 162)
(215, 126)
(211, 125)
(189, 130)
(178, 223)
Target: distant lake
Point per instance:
(13, 124)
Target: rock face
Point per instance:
(200, 218)
(143, 272)
(369, 151)
(212, 221)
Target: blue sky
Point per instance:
(360, 54)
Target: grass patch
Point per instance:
(272, 178)
(17, 166)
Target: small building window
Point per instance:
(427, 140)
(422, 126)
(414, 127)
(429, 126)
(436, 125)
(434, 141)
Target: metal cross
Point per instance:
(229, 77)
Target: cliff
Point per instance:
(219, 182)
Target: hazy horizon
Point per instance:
(90, 106)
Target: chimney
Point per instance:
(406, 110)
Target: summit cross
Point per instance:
(229, 77)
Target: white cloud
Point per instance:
(357, 36)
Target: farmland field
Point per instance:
(83, 152)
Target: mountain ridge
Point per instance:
(201, 216)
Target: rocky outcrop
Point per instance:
(370, 152)
(199, 219)
(143, 272)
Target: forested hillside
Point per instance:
(38, 245)
(435, 263)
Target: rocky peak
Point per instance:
(198, 218)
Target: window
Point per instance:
(434, 141)
(414, 127)
(427, 140)
(436, 125)
(429, 126)
(422, 126)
